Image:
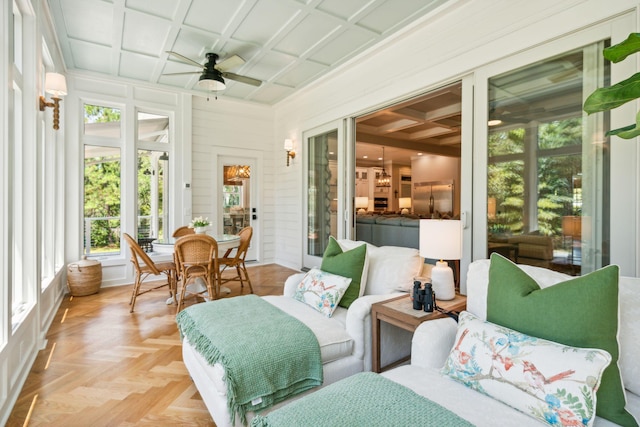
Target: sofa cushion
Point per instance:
(581, 312)
(321, 290)
(348, 245)
(349, 264)
(478, 283)
(335, 343)
(390, 268)
(546, 380)
(629, 333)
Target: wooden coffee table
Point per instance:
(399, 312)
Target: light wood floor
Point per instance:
(106, 367)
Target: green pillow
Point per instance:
(345, 264)
(581, 312)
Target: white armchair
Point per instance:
(345, 338)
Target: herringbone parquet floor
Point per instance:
(103, 366)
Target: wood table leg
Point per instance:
(375, 343)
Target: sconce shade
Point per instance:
(441, 239)
(404, 202)
(362, 202)
(55, 84)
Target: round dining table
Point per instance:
(225, 241)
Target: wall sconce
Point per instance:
(56, 85)
(288, 146)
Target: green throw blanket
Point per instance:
(267, 355)
(364, 399)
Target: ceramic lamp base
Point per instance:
(442, 281)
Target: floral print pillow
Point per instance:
(552, 382)
(322, 290)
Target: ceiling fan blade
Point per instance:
(185, 59)
(181, 74)
(229, 63)
(242, 79)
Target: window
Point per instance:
(102, 200)
(536, 163)
(322, 191)
(20, 295)
(152, 194)
(102, 178)
(152, 176)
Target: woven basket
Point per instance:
(84, 277)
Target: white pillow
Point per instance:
(629, 332)
(321, 290)
(392, 269)
(551, 382)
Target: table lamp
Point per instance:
(362, 203)
(404, 203)
(441, 239)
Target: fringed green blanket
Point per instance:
(267, 355)
(364, 399)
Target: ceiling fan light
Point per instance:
(212, 82)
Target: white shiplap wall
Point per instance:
(226, 127)
(441, 49)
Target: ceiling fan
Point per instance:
(213, 74)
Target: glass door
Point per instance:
(548, 163)
(325, 195)
(237, 207)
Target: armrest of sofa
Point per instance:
(432, 342)
(291, 284)
(358, 325)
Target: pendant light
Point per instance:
(384, 179)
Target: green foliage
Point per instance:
(608, 98)
(98, 114)
(555, 173)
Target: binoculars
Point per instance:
(423, 297)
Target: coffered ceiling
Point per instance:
(287, 44)
(430, 123)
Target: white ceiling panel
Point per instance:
(340, 48)
(194, 43)
(89, 20)
(91, 57)
(136, 66)
(287, 44)
(391, 14)
(301, 73)
(144, 33)
(344, 9)
(161, 8)
(266, 20)
(211, 15)
(307, 34)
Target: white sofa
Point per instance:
(433, 341)
(345, 338)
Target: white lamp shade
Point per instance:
(362, 202)
(211, 85)
(441, 239)
(55, 84)
(288, 144)
(404, 202)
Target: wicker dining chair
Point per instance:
(183, 231)
(197, 257)
(145, 267)
(237, 261)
